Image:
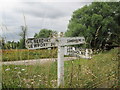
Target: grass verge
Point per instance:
(99, 72)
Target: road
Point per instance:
(36, 61)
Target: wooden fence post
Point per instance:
(60, 66)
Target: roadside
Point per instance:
(36, 61)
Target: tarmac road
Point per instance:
(36, 61)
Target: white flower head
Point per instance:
(19, 72)
(7, 69)
(16, 68)
(23, 69)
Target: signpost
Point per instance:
(66, 41)
(39, 43)
(61, 42)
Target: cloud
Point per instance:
(45, 10)
(50, 15)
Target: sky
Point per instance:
(49, 14)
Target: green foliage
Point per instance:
(44, 33)
(2, 43)
(21, 44)
(98, 22)
(9, 44)
(24, 54)
(23, 37)
(99, 72)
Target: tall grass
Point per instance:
(99, 72)
(25, 54)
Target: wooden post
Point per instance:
(60, 66)
(60, 42)
(86, 54)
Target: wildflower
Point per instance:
(32, 82)
(7, 69)
(26, 73)
(28, 86)
(34, 76)
(24, 79)
(19, 85)
(16, 68)
(76, 84)
(39, 75)
(23, 69)
(32, 79)
(53, 81)
(19, 72)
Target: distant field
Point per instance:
(25, 54)
(99, 72)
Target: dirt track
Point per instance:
(36, 61)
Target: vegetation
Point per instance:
(23, 37)
(99, 23)
(100, 71)
(24, 54)
(44, 33)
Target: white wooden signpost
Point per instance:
(61, 42)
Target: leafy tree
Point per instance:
(44, 33)
(98, 22)
(11, 45)
(8, 44)
(2, 43)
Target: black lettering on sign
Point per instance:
(52, 44)
(46, 40)
(35, 41)
(45, 44)
(42, 44)
(79, 39)
(73, 40)
(39, 40)
(34, 45)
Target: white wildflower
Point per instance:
(16, 68)
(28, 86)
(7, 69)
(53, 81)
(23, 69)
(24, 79)
(19, 72)
(32, 79)
(26, 73)
(32, 82)
(19, 85)
(34, 76)
(39, 75)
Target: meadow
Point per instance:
(99, 72)
(25, 54)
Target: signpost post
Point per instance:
(38, 43)
(60, 66)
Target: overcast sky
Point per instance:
(39, 15)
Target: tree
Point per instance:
(44, 33)
(2, 43)
(11, 45)
(23, 37)
(98, 22)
